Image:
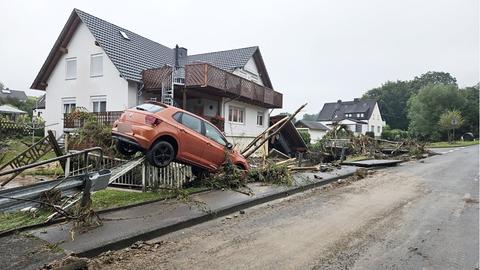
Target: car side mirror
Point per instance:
(229, 146)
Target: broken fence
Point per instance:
(143, 175)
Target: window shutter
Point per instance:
(71, 68)
(96, 65)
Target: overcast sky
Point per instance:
(315, 51)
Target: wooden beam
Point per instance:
(63, 50)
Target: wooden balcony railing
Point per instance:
(106, 118)
(206, 75)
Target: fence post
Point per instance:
(144, 171)
(67, 167)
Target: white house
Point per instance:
(358, 115)
(39, 109)
(316, 129)
(105, 69)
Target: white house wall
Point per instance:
(242, 134)
(316, 135)
(249, 72)
(82, 46)
(376, 121)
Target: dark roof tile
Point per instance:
(7, 93)
(335, 111)
(311, 125)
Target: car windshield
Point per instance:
(149, 107)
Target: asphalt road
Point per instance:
(419, 215)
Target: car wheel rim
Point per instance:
(163, 155)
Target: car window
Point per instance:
(149, 107)
(177, 117)
(212, 133)
(192, 122)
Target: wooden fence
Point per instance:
(12, 128)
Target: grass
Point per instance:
(19, 219)
(110, 198)
(453, 144)
(45, 171)
(15, 147)
(104, 199)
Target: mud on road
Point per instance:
(324, 228)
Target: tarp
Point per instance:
(10, 109)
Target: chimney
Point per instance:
(180, 52)
(339, 101)
(356, 100)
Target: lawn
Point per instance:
(453, 144)
(109, 198)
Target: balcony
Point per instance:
(72, 121)
(221, 82)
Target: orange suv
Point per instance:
(166, 133)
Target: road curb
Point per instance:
(123, 243)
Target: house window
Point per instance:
(372, 128)
(236, 114)
(361, 115)
(358, 128)
(260, 119)
(378, 129)
(68, 104)
(99, 103)
(71, 68)
(96, 65)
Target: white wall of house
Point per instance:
(351, 125)
(375, 122)
(249, 72)
(38, 113)
(316, 135)
(84, 87)
(210, 107)
(242, 133)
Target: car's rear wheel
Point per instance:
(161, 154)
(126, 149)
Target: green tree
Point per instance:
(432, 77)
(310, 117)
(425, 108)
(2, 86)
(449, 121)
(305, 136)
(26, 106)
(470, 109)
(392, 98)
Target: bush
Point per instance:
(394, 134)
(370, 134)
(305, 136)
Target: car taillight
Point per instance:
(152, 120)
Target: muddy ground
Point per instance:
(420, 215)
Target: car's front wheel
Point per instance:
(161, 154)
(125, 148)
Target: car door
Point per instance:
(191, 143)
(215, 144)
